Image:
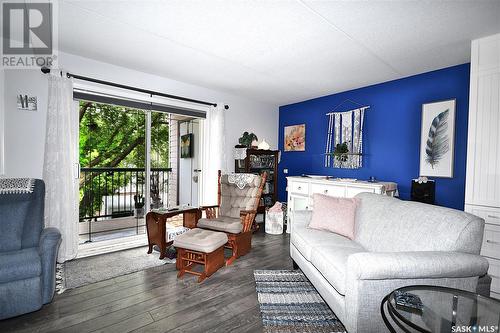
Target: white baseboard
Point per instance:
(112, 245)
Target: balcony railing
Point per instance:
(113, 199)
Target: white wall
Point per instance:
(2, 130)
(25, 131)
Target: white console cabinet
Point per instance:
(301, 189)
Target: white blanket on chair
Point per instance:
(16, 185)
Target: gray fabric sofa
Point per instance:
(28, 253)
(397, 243)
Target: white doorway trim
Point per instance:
(147, 196)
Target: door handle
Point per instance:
(196, 170)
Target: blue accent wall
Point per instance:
(391, 134)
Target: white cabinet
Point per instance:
(351, 191)
(298, 202)
(482, 190)
(483, 150)
(329, 189)
(494, 272)
(301, 189)
(491, 241)
(491, 215)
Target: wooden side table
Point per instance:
(157, 229)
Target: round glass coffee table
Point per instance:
(440, 309)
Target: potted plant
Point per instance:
(247, 139)
(139, 206)
(341, 152)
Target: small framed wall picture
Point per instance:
(295, 138)
(27, 103)
(437, 140)
(187, 145)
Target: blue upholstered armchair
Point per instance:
(28, 251)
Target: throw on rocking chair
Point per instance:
(238, 199)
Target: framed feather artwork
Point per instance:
(437, 139)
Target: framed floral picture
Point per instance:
(295, 138)
(437, 139)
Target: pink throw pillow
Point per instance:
(334, 214)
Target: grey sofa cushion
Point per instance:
(12, 216)
(385, 224)
(306, 239)
(234, 199)
(222, 223)
(415, 265)
(331, 262)
(201, 240)
(20, 265)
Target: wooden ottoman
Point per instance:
(200, 246)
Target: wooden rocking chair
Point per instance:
(235, 212)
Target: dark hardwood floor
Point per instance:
(154, 300)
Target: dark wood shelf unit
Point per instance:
(256, 162)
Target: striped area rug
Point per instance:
(289, 303)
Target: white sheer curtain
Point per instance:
(60, 165)
(213, 153)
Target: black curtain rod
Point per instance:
(46, 70)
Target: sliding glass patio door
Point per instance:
(124, 163)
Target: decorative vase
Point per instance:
(264, 145)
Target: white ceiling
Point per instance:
(277, 51)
